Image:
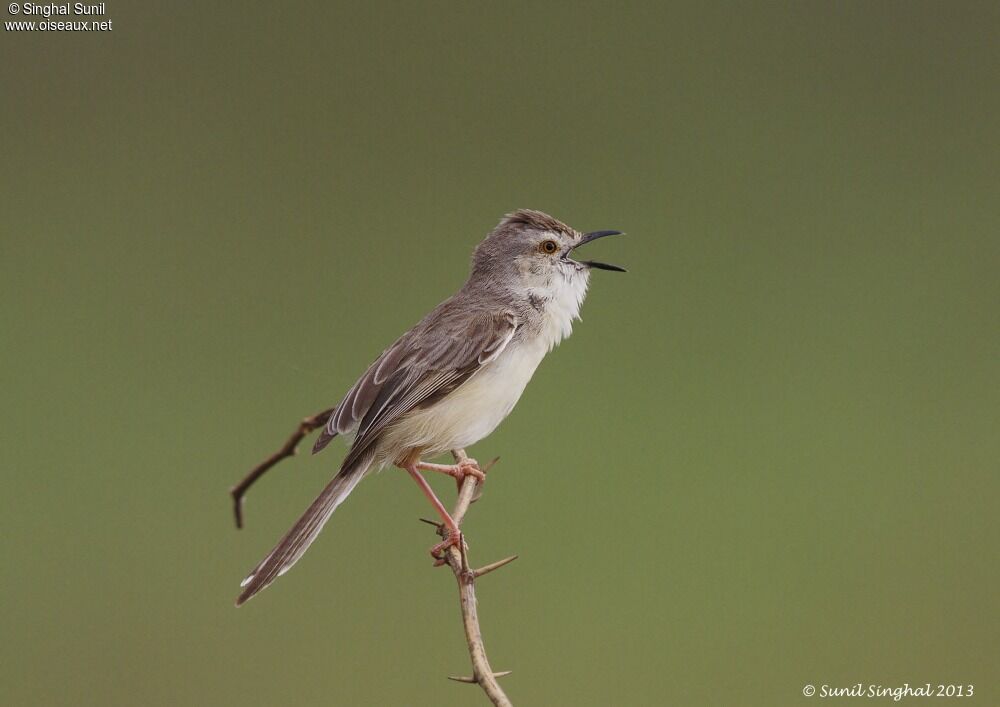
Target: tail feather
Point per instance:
(297, 540)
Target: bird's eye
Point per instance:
(549, 247)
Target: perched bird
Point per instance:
(450, 380)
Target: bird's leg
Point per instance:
(466, 467)
(452, 534)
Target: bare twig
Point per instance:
(482, 673)
(289, 449)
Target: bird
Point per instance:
(448, 382)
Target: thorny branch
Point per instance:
(456, 557)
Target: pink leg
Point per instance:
(466, 467)
(454, 535)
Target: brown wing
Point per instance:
(442, 361)
(430, 360)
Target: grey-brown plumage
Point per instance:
(427, 362)
(454, 376)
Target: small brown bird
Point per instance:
(450, 380)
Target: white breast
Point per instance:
(475, 408)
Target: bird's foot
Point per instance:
(453, 538)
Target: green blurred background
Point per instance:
(767, 457)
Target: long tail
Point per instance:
(297, 540)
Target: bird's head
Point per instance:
(530, 250)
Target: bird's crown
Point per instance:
(539, 220)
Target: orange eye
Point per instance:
(549, 247)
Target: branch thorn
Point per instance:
(474, 681)
(486, 569)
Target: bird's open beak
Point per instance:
(587, 238)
